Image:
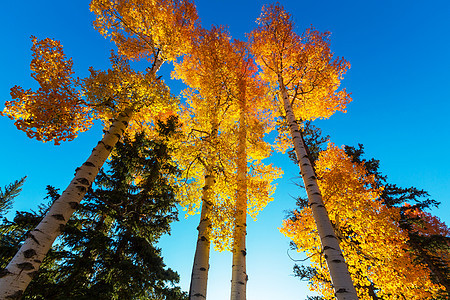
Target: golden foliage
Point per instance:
(119, 88)
(147, 29)
(223, 85)
(303, 64)
(55, 112)
(373, 245)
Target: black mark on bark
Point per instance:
(16, 296)
(89, 164)
(30, 235)
(330, 236)
(83, 181)
(32, 274)
(25, 266)
(59, 217)
(29, 253)
(81, 188)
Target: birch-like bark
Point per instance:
(340, 276)
(15, 278)
(239, 272)
(199, 278)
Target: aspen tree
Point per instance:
(209, 115)
(307, 77)
(215, 116)
(255, 118)
(374, 246)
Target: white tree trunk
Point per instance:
(239, 272)
(340, 277)
(199, 278)
(15, 278)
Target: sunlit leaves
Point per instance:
(373, 245)
(63, 106)
(55, 112)
(120, 88)
(223, 89)
(304, 64)
(147, 28)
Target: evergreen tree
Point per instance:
(14, 232)
(108, 250)
(7, 196)
(428, 240)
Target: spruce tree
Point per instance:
(428, 247)
(108, 249)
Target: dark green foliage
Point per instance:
(302, 202)
(304, 272)
(7, 196)
(371, 165)
(108, 248)
(14, 233)
(314, 298)
(314, 142)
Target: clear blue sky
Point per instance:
(400, 84)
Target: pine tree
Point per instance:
(428, 237)
(8, 194)
(108, 250)
(355, 187)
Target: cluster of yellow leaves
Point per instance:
(111, 92)
(222, 88)
(55, 112)
(304, 64)
(147, 28)
(373, 245)
(260, 187)
(208, 116)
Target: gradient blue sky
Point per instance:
(399, 80)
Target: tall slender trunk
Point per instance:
(15, 278)
(340, 276)
(239, 272)
(199, 278)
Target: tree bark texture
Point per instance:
(199, 278)
(340, 276)
(239, 272)
(15, 278)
